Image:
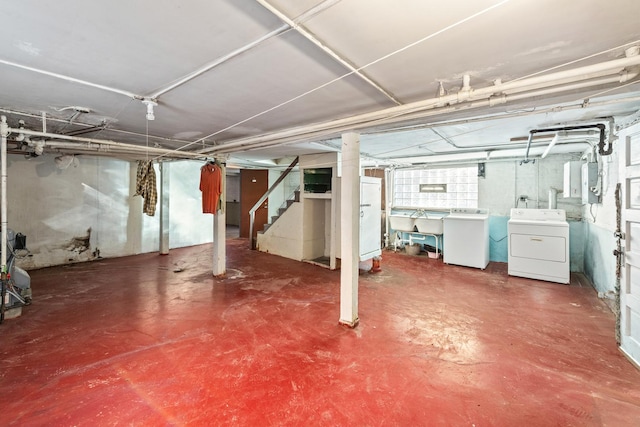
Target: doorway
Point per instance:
(253, 184)
(630, 277)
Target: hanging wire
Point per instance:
(147, 135)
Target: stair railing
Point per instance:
(265, 196)
(290, 197)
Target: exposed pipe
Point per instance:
(553, 142)
(601, 144)
(388, 190)
(100, 148)
(419, 109)
(316, 10)
(4, 132)
(445, 139)
(490, 102)
(53, 119)
(231, 147)
(526, 153)
(494, 154)
(555, 109)
(72, 79)
(87, 130)
(553, 198)
(342, 61)
(101, 142)
(280, 30)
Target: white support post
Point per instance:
(350, 226)
(164, 207)
(4, 132)
(220, 231)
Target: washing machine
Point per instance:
(539, 244)
(466, 237)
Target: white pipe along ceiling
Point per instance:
(500, 93)
(280, 78)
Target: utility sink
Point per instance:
(400, 222)
(433, 225)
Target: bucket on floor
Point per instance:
(413, 249)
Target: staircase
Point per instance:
(265, 196)
(293, 198)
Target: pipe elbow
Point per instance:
(627, 74)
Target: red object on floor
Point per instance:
(377, 268)
(151, 340)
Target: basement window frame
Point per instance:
(458, 187)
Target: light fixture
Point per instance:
(150, 104)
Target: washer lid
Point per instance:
(467, 217)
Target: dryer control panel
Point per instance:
(539, 214)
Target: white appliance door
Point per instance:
(466, 241)
(630, 280)
(370, 217)
(547, 248)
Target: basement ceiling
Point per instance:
(261, 80)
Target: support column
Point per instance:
(350, 226)
(164, 207)
(220, 230)
(4, 133)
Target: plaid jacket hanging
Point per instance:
(146, 186)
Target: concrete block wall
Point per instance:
(504, 184)
(600, 224)
(68, 214)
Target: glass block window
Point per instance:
(424, 188)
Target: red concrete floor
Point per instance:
(156, 340)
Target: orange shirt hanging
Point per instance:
(211, 187)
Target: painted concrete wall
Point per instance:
(313, 228)
(504, 184)
(600, 224)
(501, 188)
(233, 198)
(69, 215)
(188, 225)
(283, 238)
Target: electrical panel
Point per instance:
(572, 180)
(590, 191)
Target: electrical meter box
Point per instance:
(572, 180)
(589, 183)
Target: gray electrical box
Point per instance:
(589, 183)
